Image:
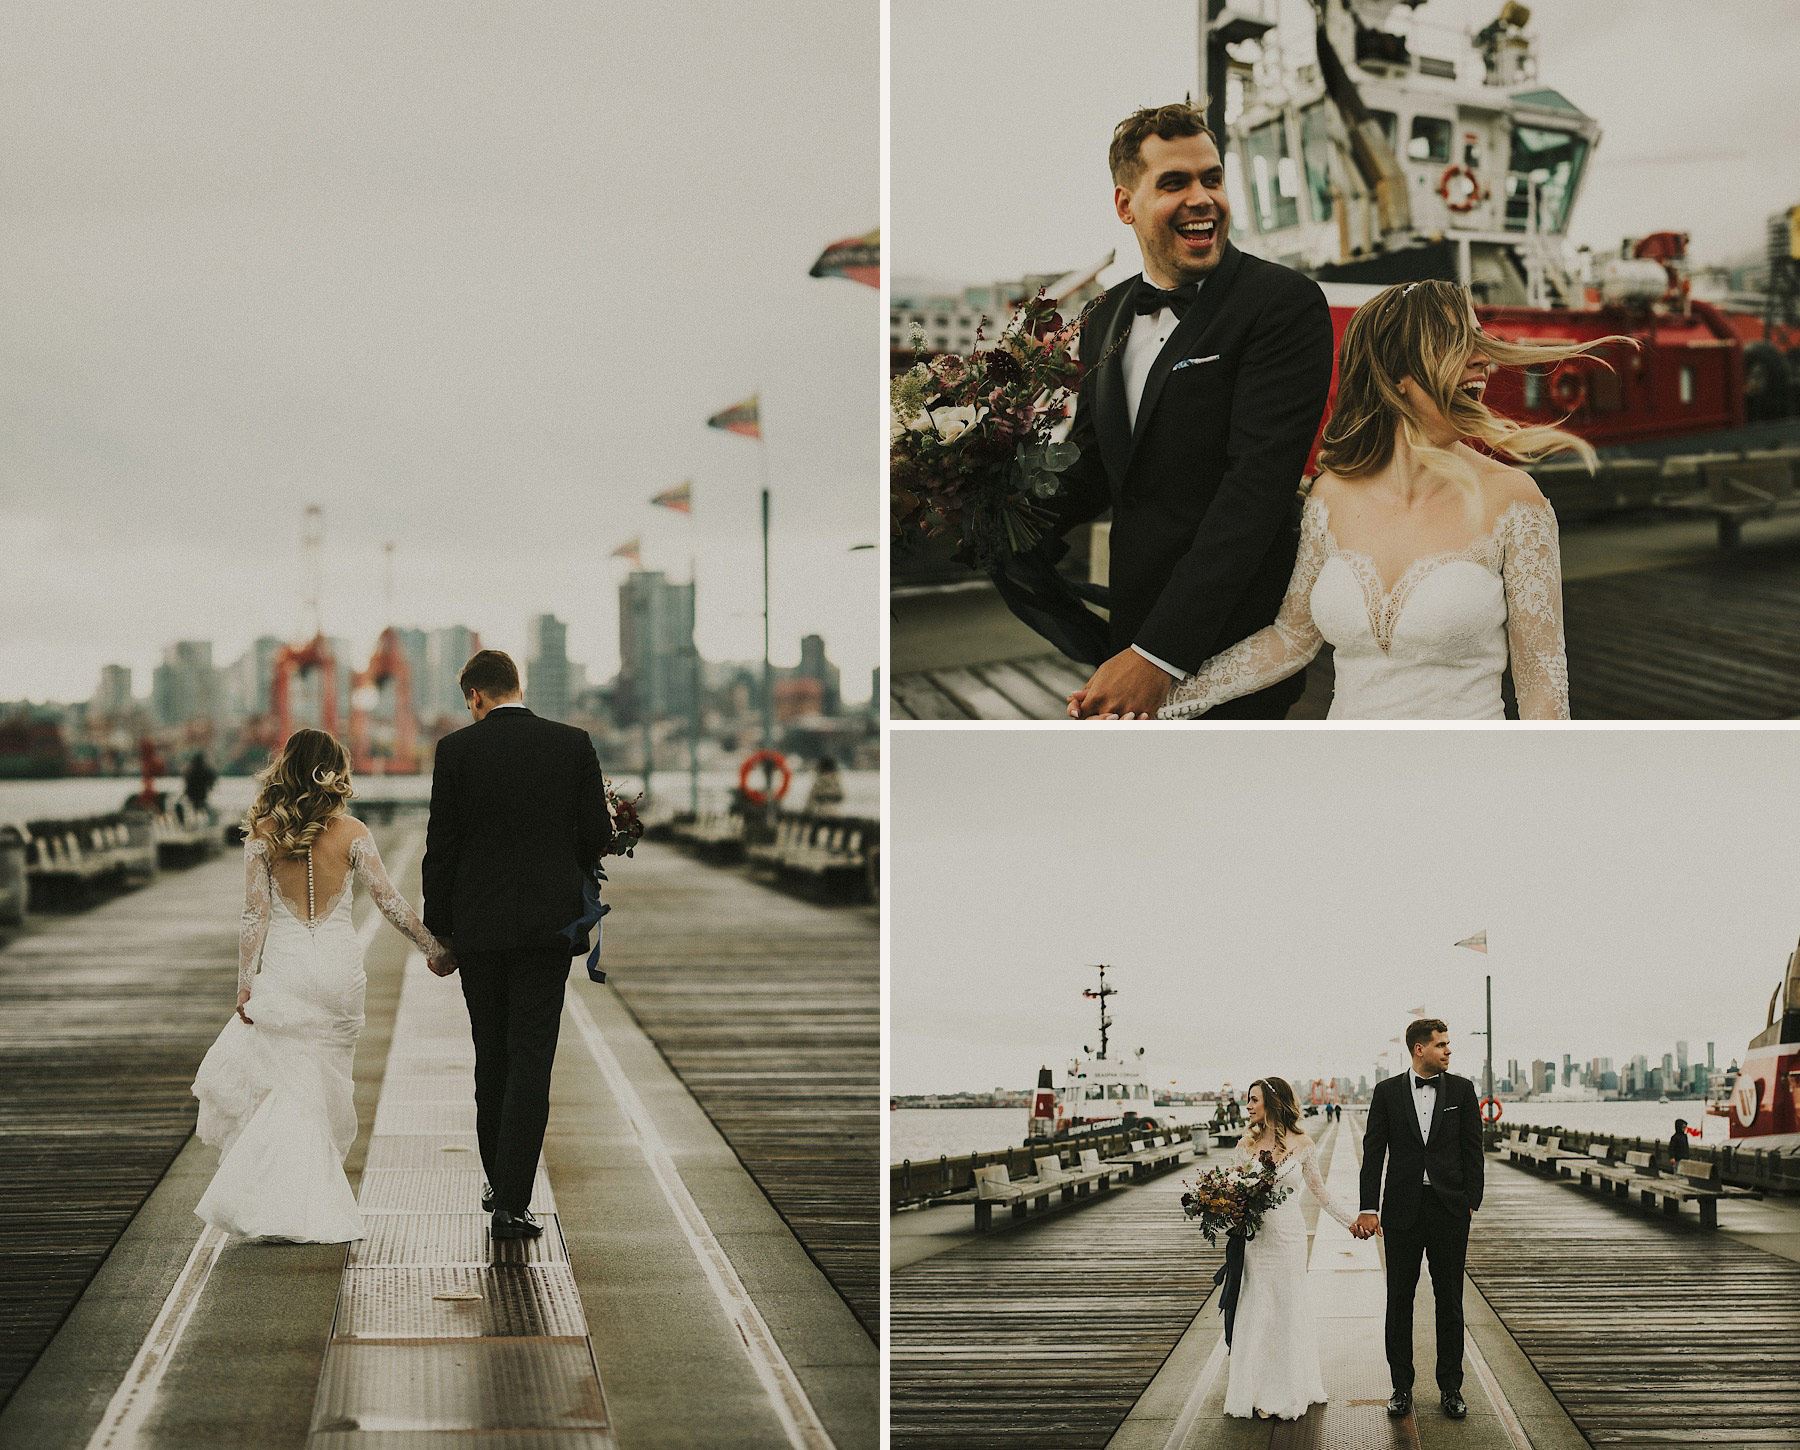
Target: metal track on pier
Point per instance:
(1650, 1332)
(768, 1009)
(104, 1018)
(1043, 1337)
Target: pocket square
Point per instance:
(1193, 362)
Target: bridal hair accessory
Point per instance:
(1407, 288)
(326, 778)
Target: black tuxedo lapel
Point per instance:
(1410, 1094)
(1437, 1109)
(1187, 332)
(1112, 422)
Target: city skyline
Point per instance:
(443, 276)
(1282, 901)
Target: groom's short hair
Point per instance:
(1182, 118)
(491, 671)
(1422, 1031)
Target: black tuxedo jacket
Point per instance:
(1204, 491)
(1451, 1153)
(518, 820)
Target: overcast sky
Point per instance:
(1280, 901)
(1000, 127)
(471, 277)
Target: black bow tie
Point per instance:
(1148, 297)
(1430, 1082)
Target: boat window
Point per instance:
(1118, 1092)
(1142, 1090)
(1315, 149)
(1430, 139)
(1274, 186)
(1534, 388)
(1551, 161)
(1096, 1092)
(1687, 385)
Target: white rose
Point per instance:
(952, 423)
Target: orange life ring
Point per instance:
(1569, 388)
(761, 757)
(1469, 201)
(1494, 1116)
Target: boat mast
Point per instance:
(1100, 994)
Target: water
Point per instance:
(25, 800)
(920, 1133)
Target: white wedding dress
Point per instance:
(277, 1098)
(1431, 647)
(1274, 1360)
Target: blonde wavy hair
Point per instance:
(301, 791)
(1427, 331)
(1281, 1109)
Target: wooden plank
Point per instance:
(1043, 1337)
(921, 699)
(1650, 1331)
(974, 696)
(1033, 700)
(768, 1008)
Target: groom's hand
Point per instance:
(1125, 686)
(1367, 1225)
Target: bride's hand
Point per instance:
(243, 997)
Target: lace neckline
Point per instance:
(1385, 604)
(317, 918)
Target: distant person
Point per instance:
(198, 780)
(1678, 1141)
(280, 1072)
(519, 822)
(827, 792)
(1425, 1125)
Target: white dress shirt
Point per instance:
(1424, 1104)
(1150, 334)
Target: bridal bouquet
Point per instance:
(628, 825)
(974, 451)
(1234, 1201)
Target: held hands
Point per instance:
(1125, 687)
(1367, 1226)
(444, 965)
(243, 997)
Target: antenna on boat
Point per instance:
(1100, 994)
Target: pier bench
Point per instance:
(840, 850)
(1148, 1156)
(716, 834)
(994, 1185)
(1689, 1181)
(1550, 1153)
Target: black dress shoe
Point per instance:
(1399, 1404)
(514, 1225)
(487, 1199)
(1453, 1404)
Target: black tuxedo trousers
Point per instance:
(1439, 1235)
(515, 1001)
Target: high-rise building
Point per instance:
(446, 651)
(1711, 1065)
(547, 670)
(1681, 1058)
(815, 666)
(112, 696)
(414, 644)
(656, 648)
(184, 686)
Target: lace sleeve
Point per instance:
(365, 861)
(1315, 1183)
(259, 901)
(1284, 648)
(1531, 570)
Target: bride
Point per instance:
(1274, 1361)
(1428, 566)
(275, 1089)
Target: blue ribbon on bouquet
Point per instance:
(593, 909)
(1231, 1277)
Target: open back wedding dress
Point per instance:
(1430, 646)
(1274, 1362)
(276, 1097)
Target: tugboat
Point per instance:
(1763, 1107)
(1100, 1092)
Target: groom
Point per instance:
(1426, 1124)
(518, 821)
(1206, 379)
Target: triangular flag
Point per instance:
(744, 418)
(858, 258)
(680, 498)
(631, 549)
(1415, 1011)
(1476, 943)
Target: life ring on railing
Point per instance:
(1490, 1110)
(1568, 388)
(1468, 202)
(764, 757)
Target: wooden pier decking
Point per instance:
(768, 1009)
(1651, 1332)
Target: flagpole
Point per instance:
(768, 692)
(1490, 1036)
(694, 662)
